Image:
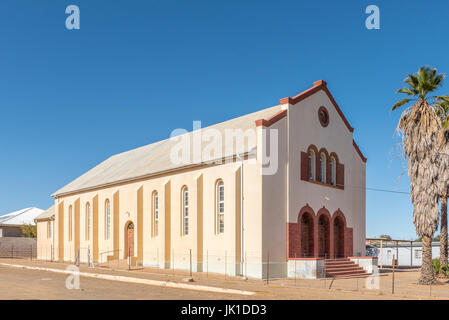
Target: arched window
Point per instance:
(155, 214)
(88, 222)
(312, 165)
(49, 229)
(107, 219)
(185, 211)
(219, 191)
(323, 167)
(70, 223)
(333, 168)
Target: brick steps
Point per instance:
(343, 268)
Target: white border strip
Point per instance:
(138, 280)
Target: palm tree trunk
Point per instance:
(443, 233)
(427, 276)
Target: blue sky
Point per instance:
(136, 70)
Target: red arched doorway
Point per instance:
(307, 241)
(339, 237)
(323, 236)
(129, 239)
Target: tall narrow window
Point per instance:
(333, 167)
(220, 206)
(88, 222)
(312, 165)
(49, 231)
(323, 167)
(70, 223)
(107, 219)
(155, 214)
(185, 211)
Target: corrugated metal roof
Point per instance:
(155, 158)
(20, 217)
(47, 214)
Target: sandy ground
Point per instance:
(36, 284)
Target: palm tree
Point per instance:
(442, 110)
(420, 128)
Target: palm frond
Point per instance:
(410, 92)
(401, 103)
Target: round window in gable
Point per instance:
(323, 116)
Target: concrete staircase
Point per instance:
(344, 267)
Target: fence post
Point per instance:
(190, 251)
(12, 251)
(295, 268)
(225, 263)
(325, 258)
(31, 252)
(268, 267)
(246, 266)
(392, 284)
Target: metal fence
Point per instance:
(18, 248)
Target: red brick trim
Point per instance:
(317, 86)
(326, 185)
(314, 148)
(362, 257)
(323, 150)
(305, 209)
(273, 119)
(317, 167)
(293, 233)
(333, 154)
(339, 213)
(324, 211)
(305, 258)
(358, 151)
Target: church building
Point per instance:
(289, 198)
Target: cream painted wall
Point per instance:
(217, 247)
(44, 244)
(269, 202)
(305, 129)
(274, 207)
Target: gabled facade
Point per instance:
(232, 215)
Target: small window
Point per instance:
(155, 214)
(312, 165)
(107, 219)
(323, 167)
(185, 211)
(220, 206)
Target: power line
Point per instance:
(376, 189)
(389, 191)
